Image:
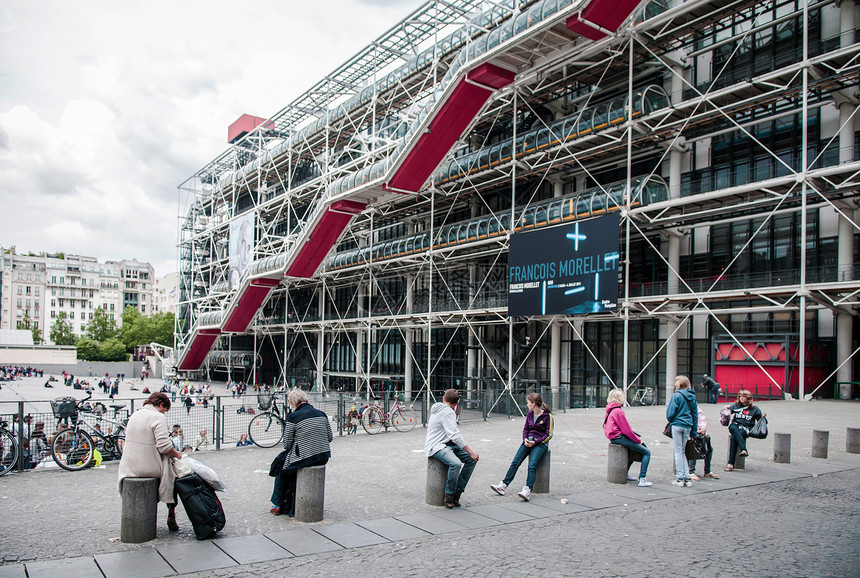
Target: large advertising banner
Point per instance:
(570, 269)
(241, 248)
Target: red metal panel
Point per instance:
(323, 238)
(197, 350)
(248, 304)
(491, 75)
(446, 127)
(576, 25)
(243, 125)
(609, 14)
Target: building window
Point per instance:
(61, 302)
(143, 308)
(53, 302)
(111, 316)
(28, 303)
(20, 290)
(53, 314)
(72, 292)
(37, 291)
(20, 303)
(111, 308)
(72, 315)
(53, 279)
(91, 316)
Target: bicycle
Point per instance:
(644, 396)
(374, 419)
(8, 449)
(266, 430)
(73, 449)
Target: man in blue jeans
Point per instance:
(445, 444)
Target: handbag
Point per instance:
(759, 430)
(725, 416)
(667, 431)
(278, 464)
(180, 468)
(696, 449)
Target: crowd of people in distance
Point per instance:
(13, 372)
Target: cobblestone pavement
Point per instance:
(56, 514)
(808, 527)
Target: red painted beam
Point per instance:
(323, 237)
(576, 25)
(248, 304)
(198, 348)
(454, 115)
(607, 14)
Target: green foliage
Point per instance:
(30, 325)
(140, 329)
(62, 332)
(112, 350)
(88, 349)
(101, 327)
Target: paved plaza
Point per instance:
(797, 519)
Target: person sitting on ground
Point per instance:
(307, 439)
(445, 443)
(537, 432)
(744, 417)
(38, 443)
(709, 450)
(202, 442)
(244, 441)
(617, 429)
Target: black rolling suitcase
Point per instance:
(202, 506)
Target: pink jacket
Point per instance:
(616, 424)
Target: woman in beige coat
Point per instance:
(148, 450)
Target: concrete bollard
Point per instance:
(139, 510)
(542, 474)
(782, 448)
(852, 440)
(310, 493)
(616, 464)
(820, 440)
(740, 461)
(437, 477)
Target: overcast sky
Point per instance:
(106, 107)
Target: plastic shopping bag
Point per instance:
(208, 474)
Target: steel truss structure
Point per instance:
(384, 198)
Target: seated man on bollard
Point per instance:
(307, 435)
(445, 444)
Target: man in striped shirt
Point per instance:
(307, 435)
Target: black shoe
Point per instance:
(457, 499)
(449, 501)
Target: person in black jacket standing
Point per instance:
(307, 435)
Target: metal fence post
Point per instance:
(21, 436)
(341, 409)
(216, 425)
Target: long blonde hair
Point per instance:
(615, 396)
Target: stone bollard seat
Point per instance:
(437, 477)
(310, 494)
(542, 477)
(616, 464)
(139, 510)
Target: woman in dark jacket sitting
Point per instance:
(744, 417)
(307, 435)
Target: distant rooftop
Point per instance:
(16, 337)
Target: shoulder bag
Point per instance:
(278, 464)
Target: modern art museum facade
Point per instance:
(568, 195)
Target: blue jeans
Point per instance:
(738, 441)
(680, 435)
(535, 454)
(460, 466)
(639, 449)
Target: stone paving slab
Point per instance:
(638, 494)
(467, 518)
(303, 541)
(82, 567)
(528, 509)
(195, 557)
(598, 500)
(497, 512)
(393, 529)
(13, 571)
(250, 549)
(350, 535)
(146, 563)
(555, 504)
(431, 524)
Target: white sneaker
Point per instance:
(500, 488)
(631, 478)
(679, 483)
(525, 493)
(688, 483)
(644, 484)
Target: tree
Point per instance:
(132, 332)
(101, 327)
(139, 329)
(32, 327)
(62, 332)
(88, 349)
(112, 350)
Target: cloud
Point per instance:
(105, 107)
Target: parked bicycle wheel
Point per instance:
(403, 418)
(8, 451)
(266, 430)
(72, 449)
(373, 420)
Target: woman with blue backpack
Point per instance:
(683, 416)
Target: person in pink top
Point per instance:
(618, 431)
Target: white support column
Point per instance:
(558, 188)
(846, 22)
(471, 351)
(674, 258)
(321, 340)
(409, 338)
(359, 341)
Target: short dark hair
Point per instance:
(158, 399)
(451, 396)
